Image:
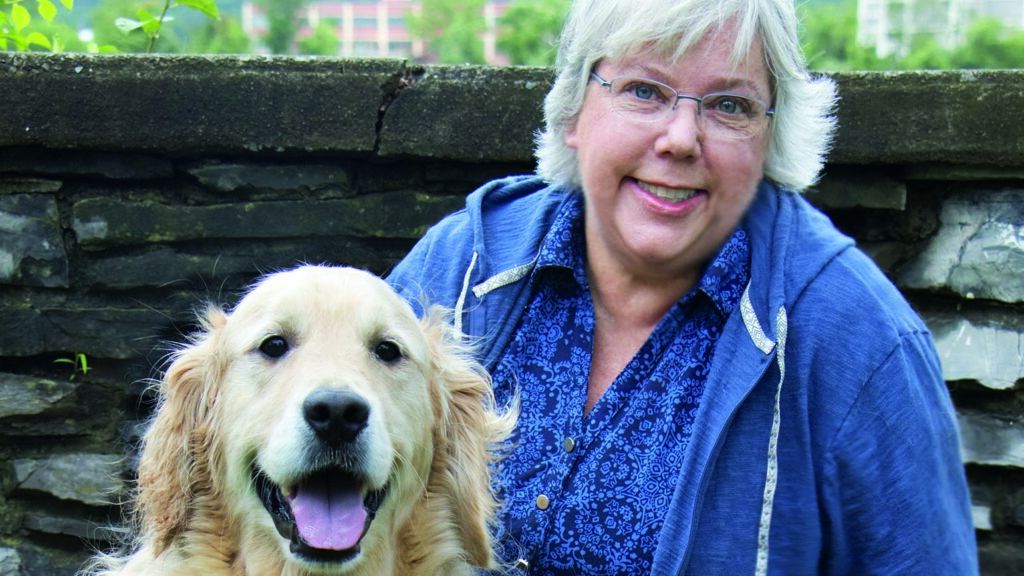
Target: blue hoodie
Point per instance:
(826, 441)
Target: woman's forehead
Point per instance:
(709, 61)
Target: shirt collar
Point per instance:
(726, 276)
(723, 280)
(563, 245)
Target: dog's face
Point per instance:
(317, 414)
(326, 397)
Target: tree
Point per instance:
(224, 36)
(282, 23)
(452, 29)
(828, 36)
(829, 40)
(322, 41)
(528, 31)
(989, 44)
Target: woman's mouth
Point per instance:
(667, 194)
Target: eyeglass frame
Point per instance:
(769, 112)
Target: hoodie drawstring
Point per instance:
(460, 304)
(765, 345)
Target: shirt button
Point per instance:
(568, 444)
(522, 564)
(543, 502)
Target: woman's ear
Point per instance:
(570, 137)
(168, 461)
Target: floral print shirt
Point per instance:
(587, 494)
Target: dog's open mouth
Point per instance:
(324, 515)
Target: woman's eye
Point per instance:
(274, 346)
(387, 351)
(730, 105)
(644, 91)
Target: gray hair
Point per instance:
(803, 125)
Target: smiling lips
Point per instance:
(667, 194)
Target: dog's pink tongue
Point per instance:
(329, 512)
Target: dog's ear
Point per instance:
(177, 435)
(469, 432)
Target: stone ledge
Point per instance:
(252, 103)
(471, 113)
(191, 104)
(960, 116)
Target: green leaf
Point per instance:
(208, 7)
(108, 49)
(126, 25)
(83, 362)
(150, 25)
(69, 4)
(47, 9)
(20, 17)
(39, 40)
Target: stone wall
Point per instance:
(135, 189)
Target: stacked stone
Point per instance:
(134, 190)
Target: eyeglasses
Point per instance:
(719, 114)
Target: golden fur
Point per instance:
(227, 407)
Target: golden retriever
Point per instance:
(318, 429)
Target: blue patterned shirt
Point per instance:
(587, 494)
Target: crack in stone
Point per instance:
(406, 77)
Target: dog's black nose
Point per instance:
(337, 416)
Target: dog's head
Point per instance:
(313, 418)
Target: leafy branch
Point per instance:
(15, 21)
(151, 25)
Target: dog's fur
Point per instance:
(227, 408)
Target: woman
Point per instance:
(712, 379)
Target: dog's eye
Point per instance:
(274, 346)
(387, 351)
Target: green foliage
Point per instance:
(79, 364)
(829, 40)
(528, 31)
(322, 41)
(105, 30)
(452, 29)
(989, 44)
(282, 24)
(151, 24)
(224, 36)
(21, 31)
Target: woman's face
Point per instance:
(663, 197)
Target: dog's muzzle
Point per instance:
(326, 513)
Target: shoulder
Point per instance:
(858, 342)
(497, 227)
(850, 299)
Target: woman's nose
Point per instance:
(681, 134)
